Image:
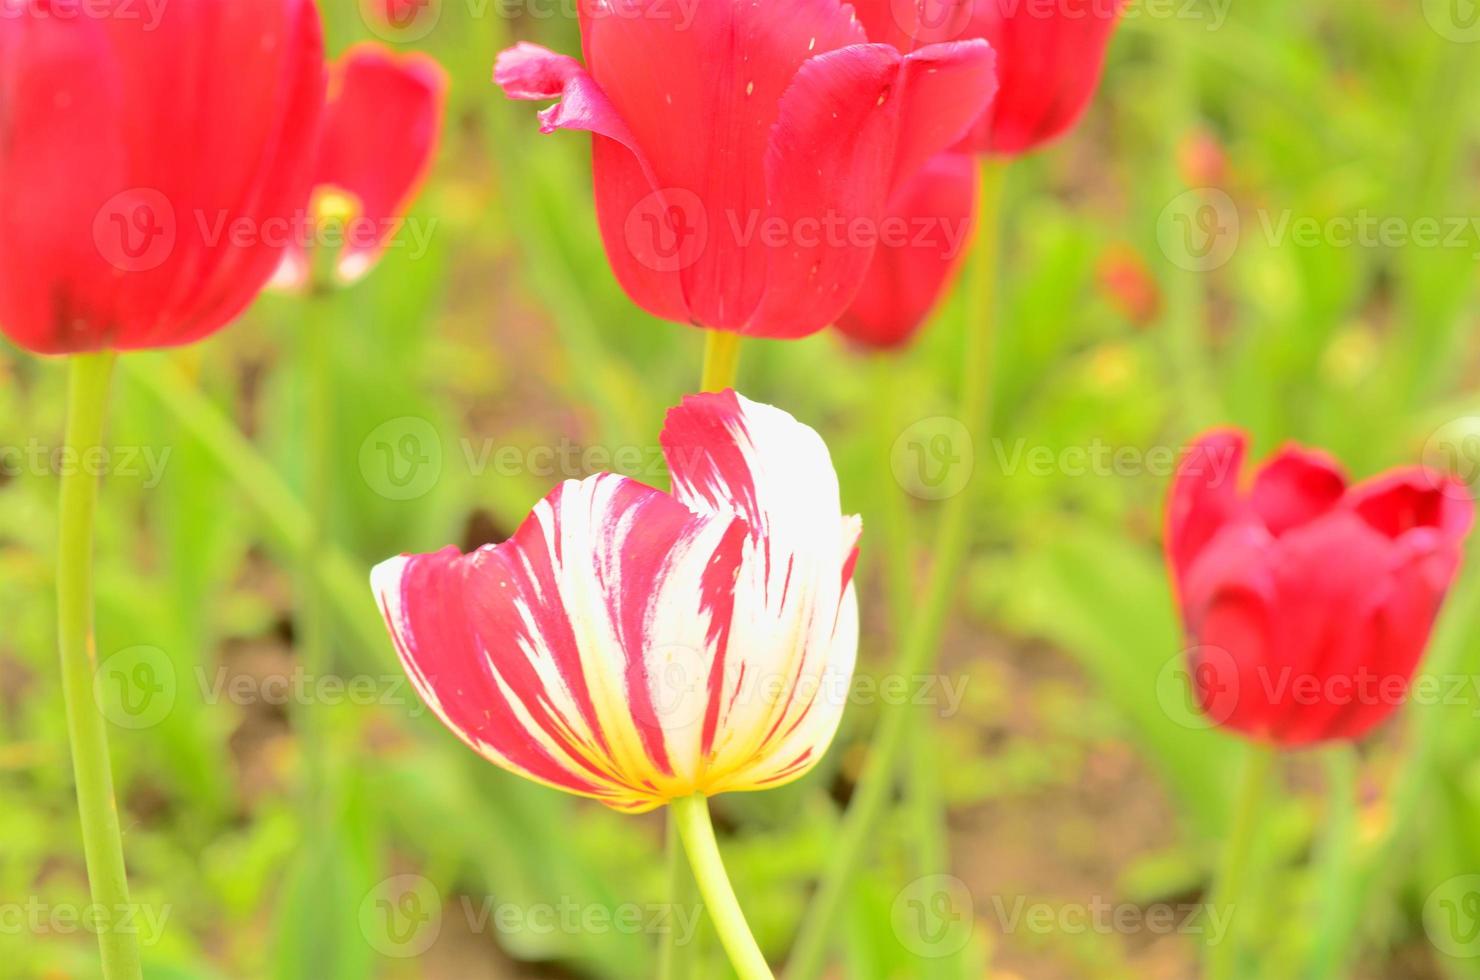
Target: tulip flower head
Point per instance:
(1050, 54)
(1310, 602)
(381, 130)
(636, 646)
(744, 152)
(150, 166)
(927, 228)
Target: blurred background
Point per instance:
(1269, 217)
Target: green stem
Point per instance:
(314, 655)
(721, 360)
(674, 958)
(102, 841)
(1335, 862)
(1234, 874)
(917, 653)
(690, 815)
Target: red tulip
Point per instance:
(1310, 602)
(636, 646)
(744, 160)
(381, 131)
(150, 165)
(923, 238)
(1049, 57)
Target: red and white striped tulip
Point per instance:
(381, 130)
(636, 646)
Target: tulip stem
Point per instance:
(721, 360)
(1231, 886)
(690, 815)
(922, 639)
(102, 841)
(674, 955)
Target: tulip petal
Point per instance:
(1397, 503)
(1295, 487)
(628, 194)
(1204, 497)
(379, 137)
(551, 654)
(724, 66)
(945, 88)
(907, 277)
(772, 713)
(133, 219)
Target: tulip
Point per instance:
(744, 157)
(925, 230)
(1309, 602)
(380, 134)
(639, 647)
(1050, 54)
(149, 166)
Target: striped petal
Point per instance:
(773, 709)
(635, 647)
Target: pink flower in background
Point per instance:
(743, 161)
(636, 646)
(932, 219)
(150, 169)
(1310, 602)
(381, 131)
(1050, 54)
